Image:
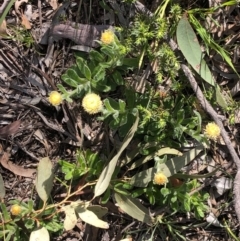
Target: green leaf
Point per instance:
(122, 106)
(44, 181)
(40, 234)
(29, 224)
(72, 74)
(191, 49)
(69, 81)
(106, 175)
(131, 62)
(106, 196)
(96, 56)
(62, 89)
(118, 78)
(120, 189)
(133, 208)
(169, 168)
(2, 188)
(82, 65)
(98, 210)
(6, 214)
(111, 105)
(98, 73)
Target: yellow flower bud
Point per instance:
(55, 98)
(160, 178)
(107, 36)
(15, 209)
(92, 103)
(212, 131)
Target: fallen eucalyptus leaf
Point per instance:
(44, 181)
(70, 217)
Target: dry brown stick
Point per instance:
(209, 109)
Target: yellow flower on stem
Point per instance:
(212, 131)
(92, 103)
(160, 178)
(55, 98)
(15, 209)
(107, 36)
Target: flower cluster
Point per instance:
(92, 103)
(160, 178)
(212, 131)
(15, 209)
(55, 98)
(107, 37)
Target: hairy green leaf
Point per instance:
(82, 65)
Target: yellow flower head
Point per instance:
(15, 209)
(92, 103)
(55, 98)
(160, 178)
(212, 131)
(107, 36)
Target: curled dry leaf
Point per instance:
(3, 27)
(10, 129)
(53, 4)
(18, 4)
(25, 22)
(17, 170)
